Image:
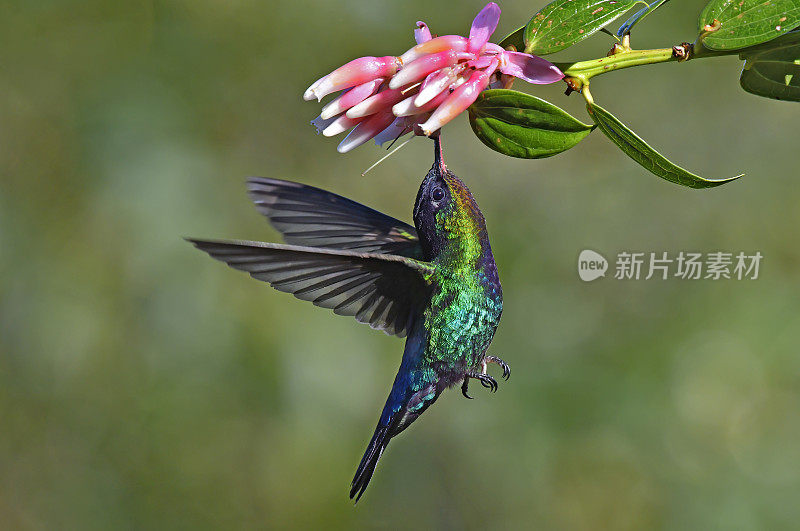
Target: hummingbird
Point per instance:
(435, 283)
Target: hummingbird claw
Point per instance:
(503, 365)
(465, 387)
(487, 381)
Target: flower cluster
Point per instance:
(423, 89)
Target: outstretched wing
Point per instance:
(309, 216)
(386, 291)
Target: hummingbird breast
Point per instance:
(461, 321)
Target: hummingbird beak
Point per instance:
(438, 156)
(437, 171)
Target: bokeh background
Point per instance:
(145, 386)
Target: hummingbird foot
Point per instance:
(487, 381)
(502, 364)
(465, 387)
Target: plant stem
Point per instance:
(578, 74)
(583, 71)
(622, 56)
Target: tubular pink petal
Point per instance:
(421, 67)
(334, 107)
(366, 130)
(422, 33)
(408, 106)
(418, 121)
(309, 94)
(439, 44)
(354, 96)
(434, 84)
(483, 26)
(340, 125)
(356, 72)
(458, 101)
(457, 83)
(481, 62)
(493, 48)
(375, 103)
(531, 68)
(404, 108)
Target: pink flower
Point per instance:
(423, 89)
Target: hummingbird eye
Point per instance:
(437, 194)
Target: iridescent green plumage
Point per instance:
(467, 302)
(436, 282)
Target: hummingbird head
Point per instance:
(446, 216)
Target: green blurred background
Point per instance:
(143, 385)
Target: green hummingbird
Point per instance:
(435, 283)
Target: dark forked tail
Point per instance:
(377, 445)
(410, 396)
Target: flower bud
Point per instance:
(354, 73)
(408, 106)
(354, 96)
(435, 83)
(366, 130)
(439, 44)
(419, 68)
(382, 100)
(340, 125)
(309, 95)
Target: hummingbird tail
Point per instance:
(378, 443)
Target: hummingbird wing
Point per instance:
(386, 291)
(310, 216)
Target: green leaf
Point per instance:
(746, 23)
(520, 125)
(638, 16)
(562, 23)
(638, 150)
(515, 39)
(773, 74)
